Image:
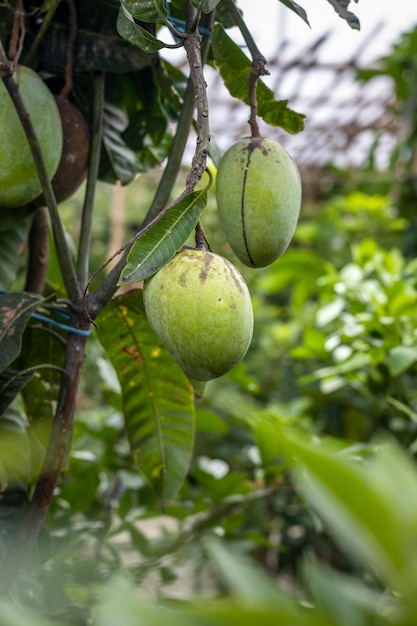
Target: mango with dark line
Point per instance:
(200, 307)
(258, 189)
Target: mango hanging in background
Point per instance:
(258, 191)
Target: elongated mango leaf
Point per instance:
(157, 397)
(136, 35)
(120, 159)
(15, 312)
(152, 11)
(235, 68)
(297, 9)
(360, 501)
(44, 352)
(160, 243)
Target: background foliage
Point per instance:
(286, 492)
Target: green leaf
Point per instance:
(340, 6)
(235, 68)
(400, 359)
(297, 9)
(160, 243)
(249, 585)
(158, 399)
(16, 309)
(344, 598)
(121, 160)
(152, 11)
(11, 383)
(44, 352)
(136, 35)
(353, 497)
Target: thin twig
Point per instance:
(258, 66)
(52, 7)
(69, 61)
(93, 168)
(17, 36)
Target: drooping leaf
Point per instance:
(44, 352)
(341, 8)
(160, 243)
(11, 250)
(121, 163)
(158, 401)
(15, 312)
(11, 383)
(137, 35)
(296, 8)
(235, 68)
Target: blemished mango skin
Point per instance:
(19, 181)
(258, 190)
(200, 307)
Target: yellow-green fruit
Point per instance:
(199, 306)
(19, 182)
(258, 191)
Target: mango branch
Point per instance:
(196, 95)
(64, 257)
(258, 65)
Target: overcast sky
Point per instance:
(271, 21)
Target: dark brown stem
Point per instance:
(38, 252)
(258, 66)
(69, 61)
(53, 463)
(199, 237)
(192, 46)
(18, 32)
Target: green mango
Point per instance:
(200, 307)
(19, 181)
(258, 190)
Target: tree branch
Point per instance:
(197, 51)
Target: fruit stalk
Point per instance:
(258, 66)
